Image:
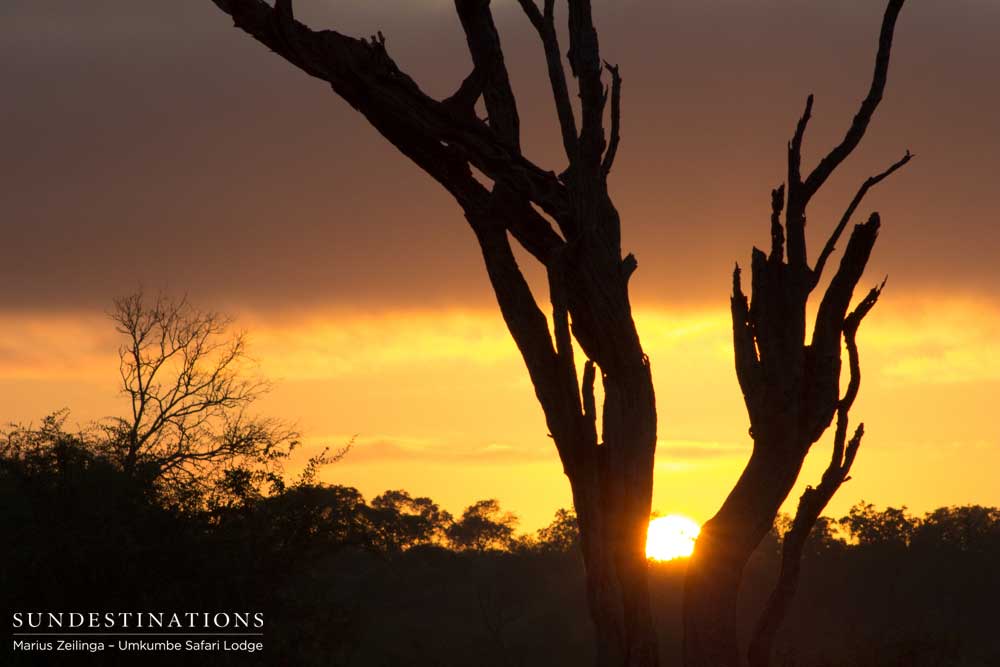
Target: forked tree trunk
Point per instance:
(611, 474)
(791, 389)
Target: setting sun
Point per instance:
(671, 537)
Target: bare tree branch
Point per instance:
(616, 118)
(553, 369)
(487, 57)
(530, 229)
(777, 233)
(801, 192)
(795, 146)
(836, 299)
(795, 217)
(362, 73)
(860, 123)
(545, 25)
(869, 183)
(585, 63)
(187, 382)
(748, 370)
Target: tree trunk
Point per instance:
(618, 599)
(612, 481)
(613, 515)
(724, 547)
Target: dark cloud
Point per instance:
(154, 143)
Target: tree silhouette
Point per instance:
(611, 476)
(791, 388)
(400, 521)
(562, 535)
(312, 516)
(482, 526)
(970, 528)
(892, 526)
(190, 390)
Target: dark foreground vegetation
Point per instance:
(398, 581)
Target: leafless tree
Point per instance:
(611, 475)
(791, 389)
(189, 389)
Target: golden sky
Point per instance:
(155, 145)
(441, 407)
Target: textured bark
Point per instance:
(791, 390)
(611, 474)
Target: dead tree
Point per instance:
(568, 223)
(791, 388)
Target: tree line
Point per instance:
(55, 464)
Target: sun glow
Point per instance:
(671, 537)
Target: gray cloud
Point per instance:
(154, 143)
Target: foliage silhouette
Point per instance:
(400, 521)
(335, 592)
(482, 527)
(887, 528)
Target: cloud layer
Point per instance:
(157, 144)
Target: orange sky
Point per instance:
(156, 145)
(442, 408)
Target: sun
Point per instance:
(671, 537)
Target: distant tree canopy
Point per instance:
(562, 534)
(48, 475)
(483, 526)
(968, 528)
(891, 526)
(399, 521)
